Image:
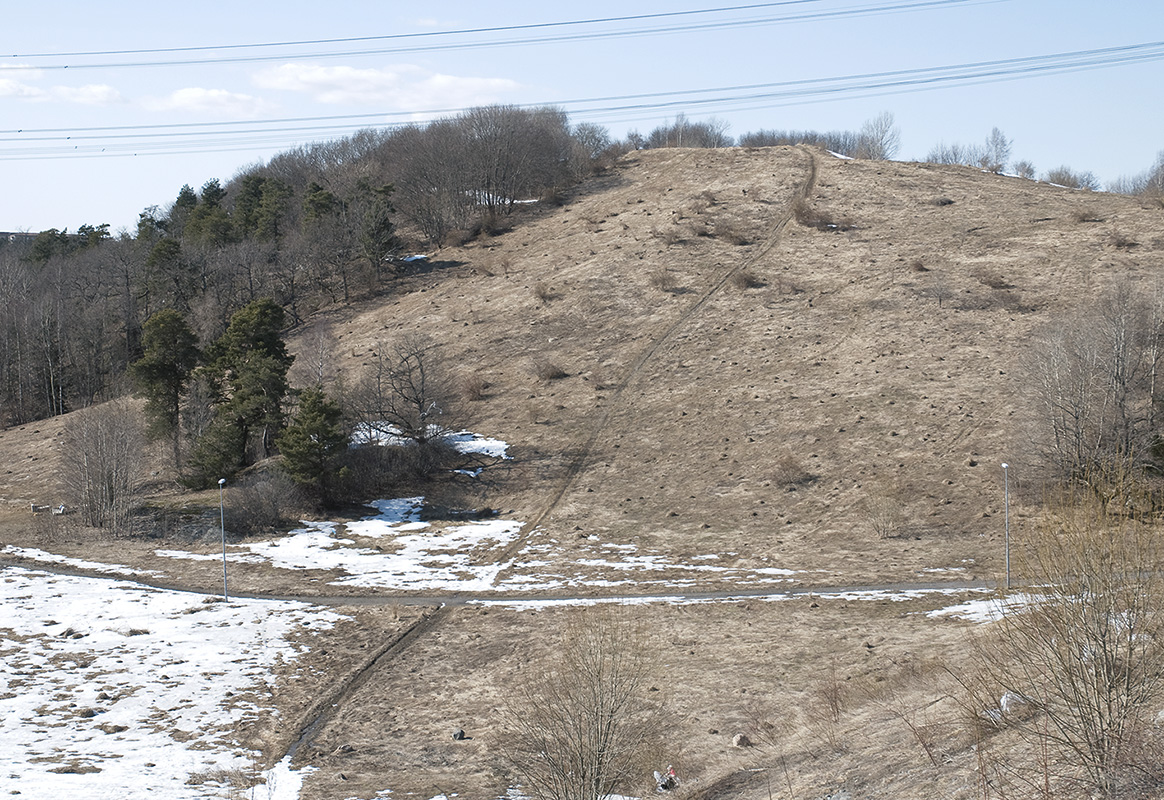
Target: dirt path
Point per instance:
(454, 600)
(636, 369)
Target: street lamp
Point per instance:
(1006, 515)
(222, 526)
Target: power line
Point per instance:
(915, 5)
(400, 36)
(201, 137)
(976, 70)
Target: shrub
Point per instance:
(261, 504)
(474, 387)
(1122, 240)
(731, 234)
(1024, 169)
(547, 370)
(746, 279)
(788, 471)
(1065, 176)
(885, 512)
(662, 279)
(822, 220)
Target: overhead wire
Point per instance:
(857, 11)
(418, 34)
(200, 137)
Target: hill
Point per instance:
(788, 376)
(715, 369)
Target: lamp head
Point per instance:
(222, 481)
(1004, 466)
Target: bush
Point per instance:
(746, 279)
(1024, 169)
(474, 388)
(788, 472)
(731, 234)
(1065, 176)
(262, 504)
(662, 279)
(547, 370)
(822, 220)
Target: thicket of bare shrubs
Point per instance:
(1065, 176)
(590, 723)
(1064, 691)
(1092, 387)
(992, 155)
(878, 139)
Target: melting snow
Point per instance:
(114, 690)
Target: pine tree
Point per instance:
(247, 368)
(163, 372)
(314, 443)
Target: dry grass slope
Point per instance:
(765, 420)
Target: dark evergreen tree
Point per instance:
(377, 231)
(170, 353)
(314, 444)
(247, 369)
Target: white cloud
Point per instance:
(93, 94)
(218, 102)
(403, 86)
(18, 89)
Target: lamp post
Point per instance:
(222, 527)
(1006, 515)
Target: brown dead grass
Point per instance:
(759, 424)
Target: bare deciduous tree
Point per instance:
(997, 152)
(407, 393)
(1093, 384)
(104, 463)
(588, 727)
(879, 138)
(1079, 671)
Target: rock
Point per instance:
(458, 734)
(741, 740)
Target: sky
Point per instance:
(104, 116)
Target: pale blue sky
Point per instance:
(1109, 120)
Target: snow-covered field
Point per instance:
(394, 550)
(113, 690)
